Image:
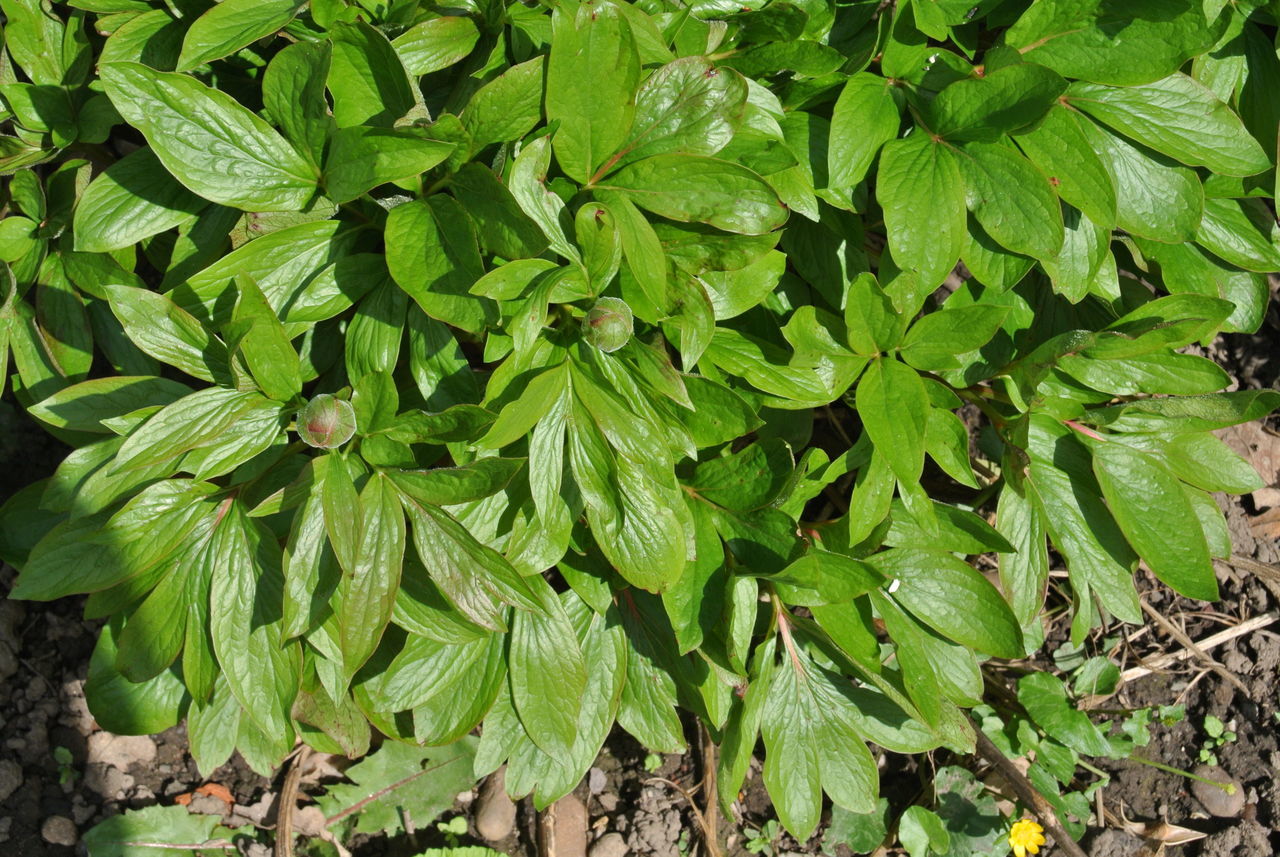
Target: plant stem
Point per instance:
(1229, 788)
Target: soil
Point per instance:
(48, 796)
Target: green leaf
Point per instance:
(694, 188)
(948, 595)
(174, 825)
(507, 107)
(641, 248)
(1012, 199)
(1156, 198)
(280, 262)
(1204, 461)
(648, 704)
(35, 38)
(604, 647)
(590, 43)
(367, 80)
(939, 526)
(1187, 413)
(293, 93)
(265, 345)
(436, 44)
(1045, 699)
(1085, 250)
(1239, 232)
(746, 480)
(208, 421)
(130, 201)
(685, 107)
(474, 577)
(83, 406)
(812, 744)
(126, 707)
(935, 340)
(366, 594)
(734, 292)
(1159, 372)
(922, 192)
(946, 440)
(245, 622)
(413, 785)
(922, 832)
(635, 517)
(209, 141)
(860, 832)
(1064, 491)
(17, 238)
(894, 407)
(445, 486)
(1024, 572)
(873, 324)
(821, 577)
(1156, 517)
(1097, 41)
(1186, 269)
(985, 108)
(168, 333)
(547, 676)
(503, 228)
(232, 25)
(1178, 117)
(361, 158)
(527, 184)
(864, 118)
(1057, 145)
(456, 424)
(432, 253)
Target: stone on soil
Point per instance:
(59, 830)
(569, 827)
(121, 751)
(609, 845)
(1214, 799)
(495, 813)
(10, 778)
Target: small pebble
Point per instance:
(609, 845)
(10, 778)
(59, 830)
(495, 813)
(1214, 799)
(309, 821)
(121, 751)
(568, 827)
(207, 805)
(596, 780)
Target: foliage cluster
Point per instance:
(546, 366)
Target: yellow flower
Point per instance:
(1026, 837)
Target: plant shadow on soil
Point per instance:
(44, 653)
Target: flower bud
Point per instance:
(608, 324)
(326, 422)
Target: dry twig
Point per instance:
(1199, 650)
(288, 802)
(711, 815)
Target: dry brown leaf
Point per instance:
(217, 790)
(1163, 832)
(1266, 527)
